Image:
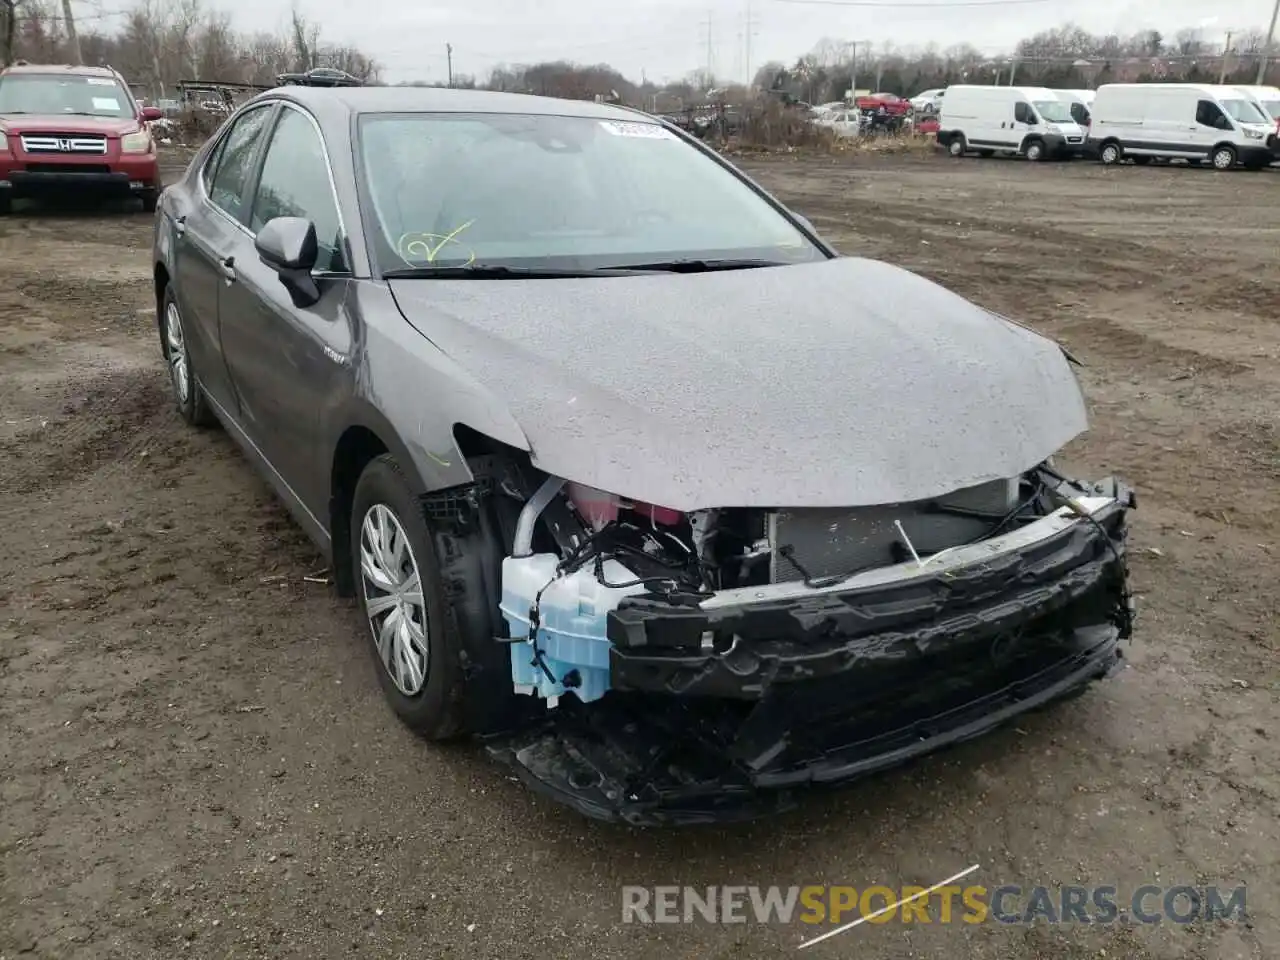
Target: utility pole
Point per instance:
(1266, 47)
(448, 52)
(73, 38)
(1226, 57)
(748, 29)
(710, 42)
(1013, 71)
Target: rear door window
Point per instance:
(235, 164)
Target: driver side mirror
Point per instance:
(151, 113)
(288, 246)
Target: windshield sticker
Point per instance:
(646, 131)
(106, 103)
(100, 81)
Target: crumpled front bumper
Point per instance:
(722, 712)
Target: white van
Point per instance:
(1080, 103)
(1022, 120)
(1267, 99)
(1194, 121)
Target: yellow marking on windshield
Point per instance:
(427, 246)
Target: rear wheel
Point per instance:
(1111, 154)
(1223, 158)
(188, 396)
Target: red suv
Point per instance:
(74, 129)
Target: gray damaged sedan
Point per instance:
(632, 475)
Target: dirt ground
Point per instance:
(195, 760)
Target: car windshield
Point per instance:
(1272, 107)
(1052, 111)
(49, 94)
(1243, 111)
(557, 192)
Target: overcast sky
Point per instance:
(665, 39)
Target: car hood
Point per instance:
(846, 382)
(67, 123)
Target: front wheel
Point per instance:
(1111, 154)
(1223, 158)
(1035, 151)
(427, 592)
(956, 147)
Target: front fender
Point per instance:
(411, 395)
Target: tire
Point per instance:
(1111, 154)
(1223, 158)
(1035, 151)
(956, 146)
(149, 199)
(188, 396)
(462, 682)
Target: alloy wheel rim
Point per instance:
(176, 346)
(1222, 159)
(393, 599)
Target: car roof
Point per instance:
(63, 68)
(337, 104)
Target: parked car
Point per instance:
(1027, 121)
(1190, 121)
(926, 126)
(618, 459)
(928, 102)
(68, 130)
(843, 123)
(883, 103)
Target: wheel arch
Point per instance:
(1225, 145)
(368, 434)
(161, 280)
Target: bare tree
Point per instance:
(8, 29)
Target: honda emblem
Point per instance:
(64, 146)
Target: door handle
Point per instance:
(180, 225)
(227, 266)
